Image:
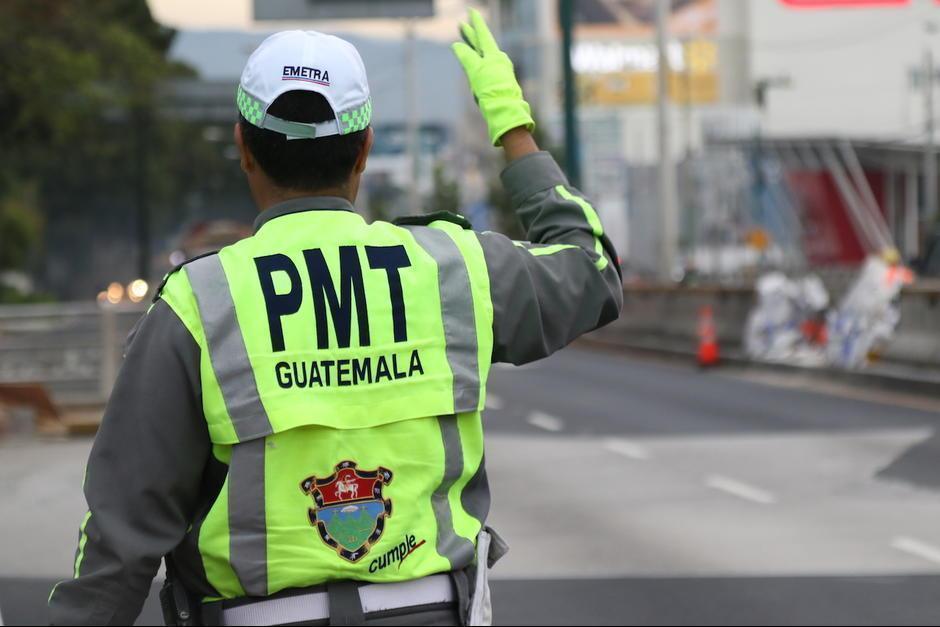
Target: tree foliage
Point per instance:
(20, 225)
(75, 75)
(65, 64)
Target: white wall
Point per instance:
(849, 67)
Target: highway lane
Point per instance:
(634, 491)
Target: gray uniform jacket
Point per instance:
(151, 477)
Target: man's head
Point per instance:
(304, 118)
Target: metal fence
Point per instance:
(73, 350)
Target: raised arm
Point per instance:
(565, 279)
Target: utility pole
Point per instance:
(413, 131)
(686, 192)
(930, 152)
(572, 144)
(141, 121)
(495, 17)
(669, 215)
(687, 43)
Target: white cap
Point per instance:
(306, 61)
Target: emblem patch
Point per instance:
(349, 511)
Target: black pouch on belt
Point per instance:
(177, 609)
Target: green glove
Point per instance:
(492, 79)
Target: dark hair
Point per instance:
(303, 164)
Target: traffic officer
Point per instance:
(297, 423)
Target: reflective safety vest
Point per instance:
(343, 370)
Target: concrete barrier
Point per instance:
(917, 341)
(666, 317)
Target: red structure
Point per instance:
(832, 4)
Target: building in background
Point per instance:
(761, 95)
(800, 127)
(615, 58)
(847, 106)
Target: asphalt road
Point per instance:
(640, 492)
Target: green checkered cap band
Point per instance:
(251, 108)
(350, 121)
(357, 119)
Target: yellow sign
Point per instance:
(636, 88)
(616, 74)
(758, 239)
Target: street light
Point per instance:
(137, 290)
(115, 293)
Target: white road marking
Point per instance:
(917, 549)
(626, 448)
(740, 489)
(546, 421)
(494, 402)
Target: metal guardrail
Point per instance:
(72, 349)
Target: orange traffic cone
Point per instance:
(707, 338)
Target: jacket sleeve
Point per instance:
(561, 283)
(142, 478)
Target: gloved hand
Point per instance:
(492, 79)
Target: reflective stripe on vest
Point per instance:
(227, 351)
(456, 549)
(248, 547)
(460, 328)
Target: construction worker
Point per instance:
(297, 423)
